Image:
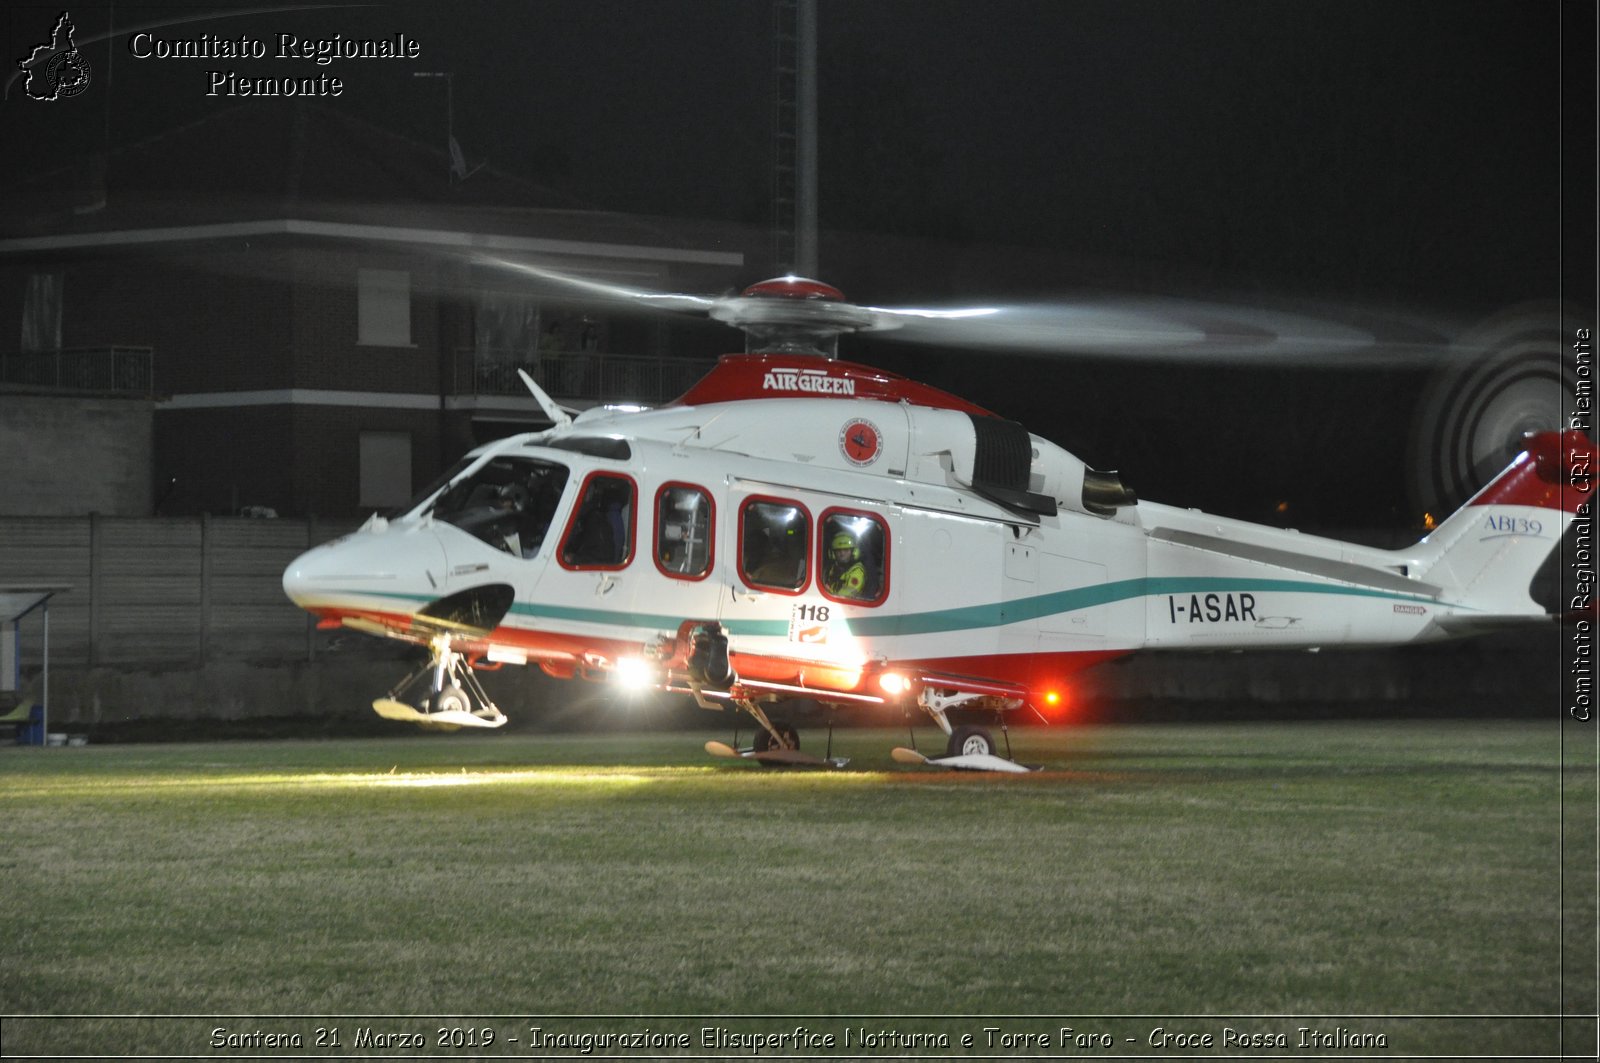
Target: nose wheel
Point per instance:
(453, 698)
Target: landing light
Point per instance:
(893, 683)
(634, 674)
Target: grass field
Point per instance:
(1311, 869)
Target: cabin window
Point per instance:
(383, 308)
(600, 534)
(684, 523)
(854, 557)
(774, 544)
(508, 503)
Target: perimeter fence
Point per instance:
(153, 592)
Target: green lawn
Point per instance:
(1313, 869)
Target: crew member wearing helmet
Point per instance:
(844, 574)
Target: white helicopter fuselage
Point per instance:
(996, 564)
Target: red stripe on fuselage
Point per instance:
(1006, 673)
(1038, 673)
(738, 377)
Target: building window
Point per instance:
(774, 543)
(385, 469)
(600, 534)
(41, 313)
(383, 316)
(855, 557)
(684, 523)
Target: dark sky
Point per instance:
(1404, 156)
(1403, 149)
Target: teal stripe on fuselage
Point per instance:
(654, 621)
(613, 617)
(995, 614)
(990, 614)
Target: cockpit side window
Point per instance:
(508, 503)
(600, 533)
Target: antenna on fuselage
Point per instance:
(556, 414)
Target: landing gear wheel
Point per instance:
(970, 740)
(451, 699)
(765, 742)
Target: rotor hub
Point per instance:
(793, 315)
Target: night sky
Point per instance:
(1404, 157)
(1399, 150)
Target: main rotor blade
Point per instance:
(586, 287)
(1123, 327)
(1175, 330)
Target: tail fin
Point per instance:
(1488, 551)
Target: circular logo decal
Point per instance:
(67, 75)
(860, 440)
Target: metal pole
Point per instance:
(96, 570)
(203, 637)
(805, 200)
(44, 687)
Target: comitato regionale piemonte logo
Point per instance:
(57, 70)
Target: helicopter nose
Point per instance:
(375, 562)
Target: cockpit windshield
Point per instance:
(508, 503)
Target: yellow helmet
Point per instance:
(846, 541)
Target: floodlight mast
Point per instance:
(805, 257)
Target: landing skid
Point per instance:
(789, 757)
(453, 699)
(448, 720)
(969, 747)
(961, 762)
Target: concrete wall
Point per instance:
(63, 456)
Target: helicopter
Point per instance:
(796, 527)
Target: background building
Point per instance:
(294, 312)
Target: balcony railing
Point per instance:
(586, 375)
(120, 370)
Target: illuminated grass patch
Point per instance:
(1353, 868)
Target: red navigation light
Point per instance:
(1053, 702)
